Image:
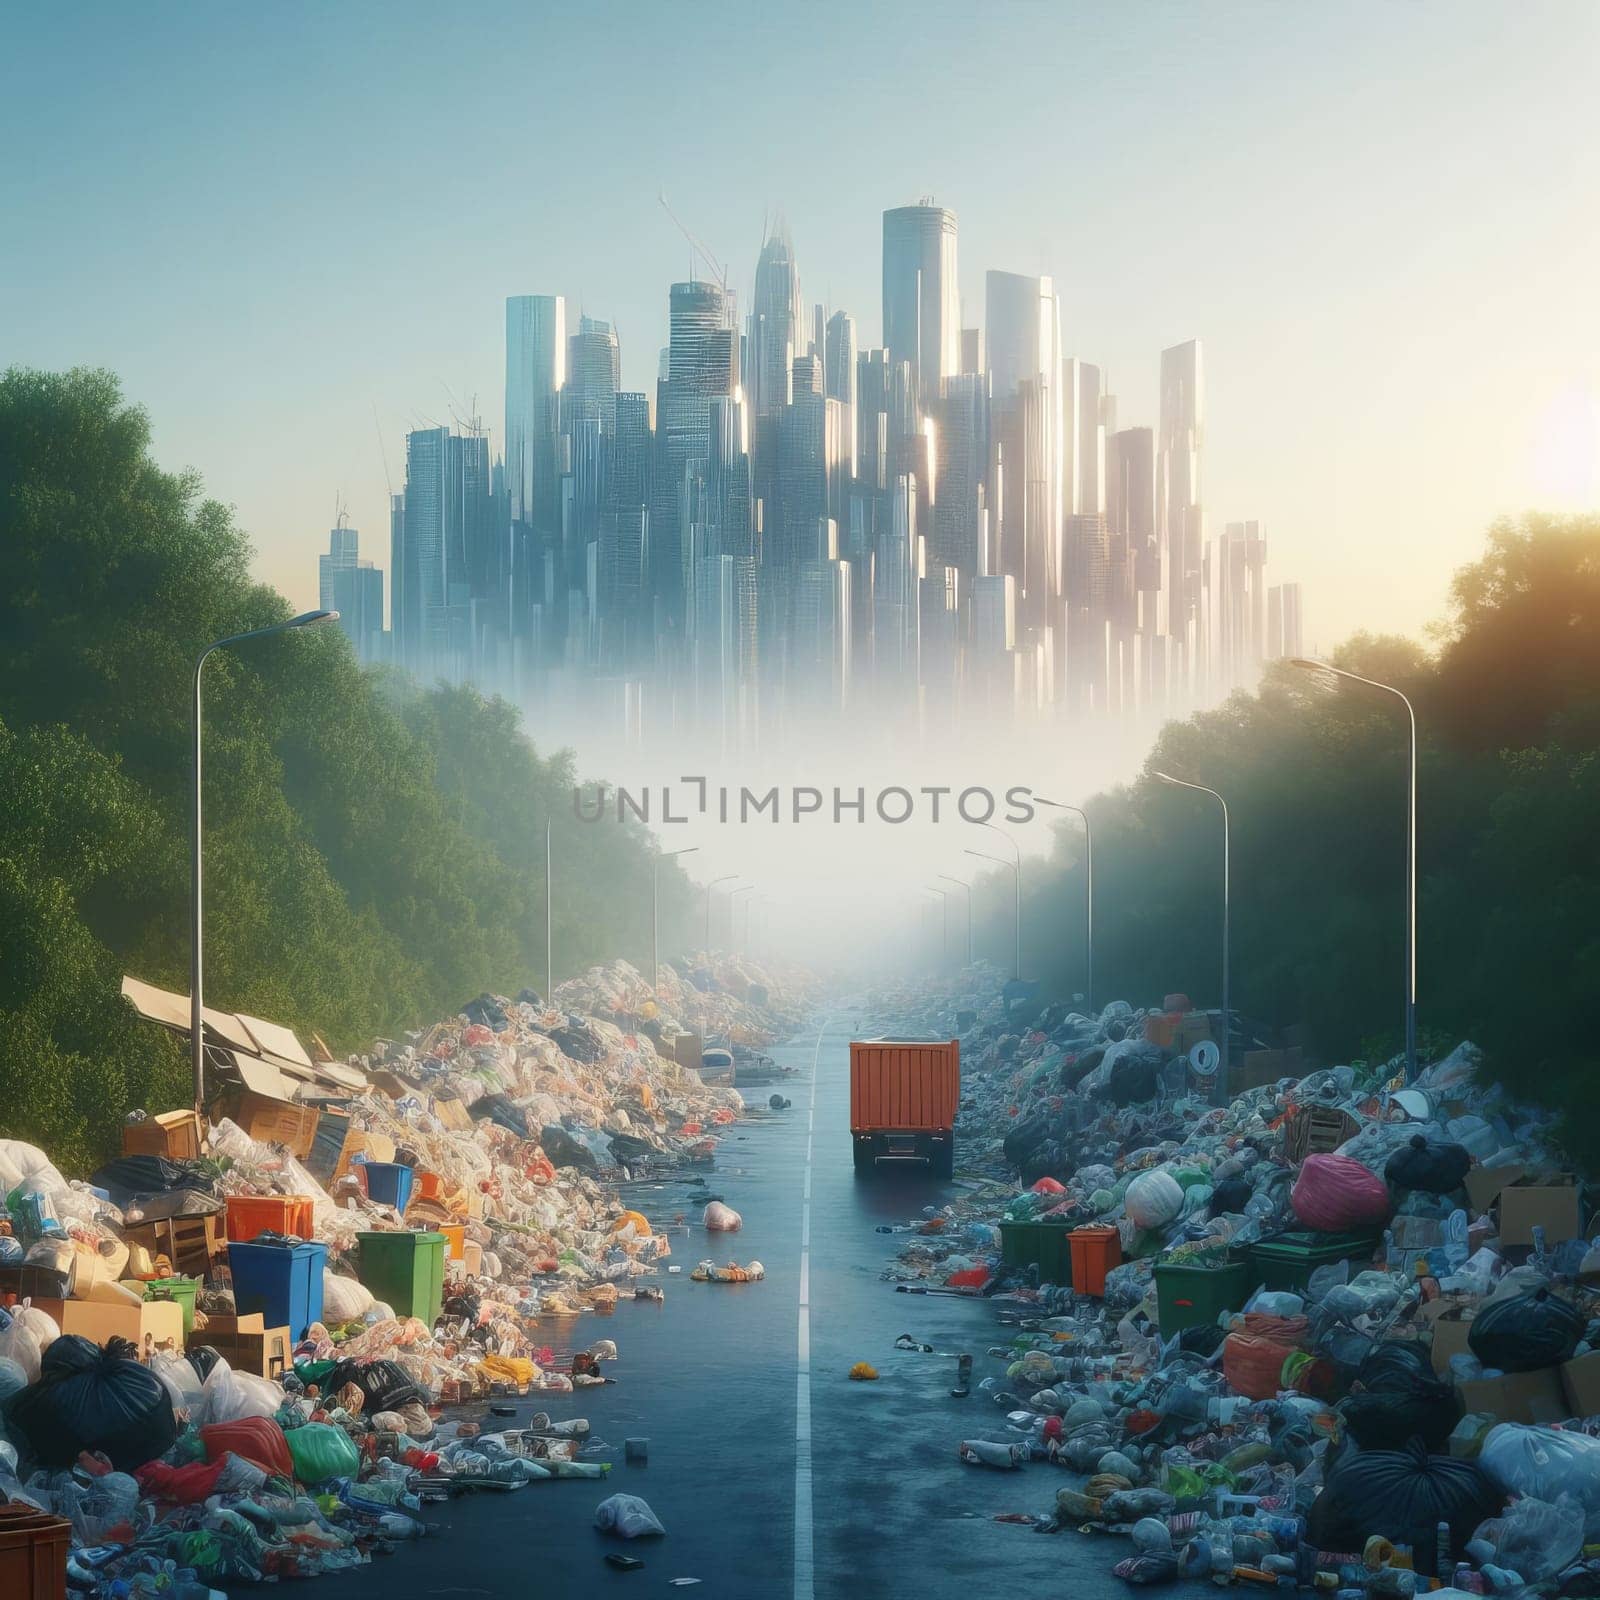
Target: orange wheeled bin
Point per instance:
(1095, 1251)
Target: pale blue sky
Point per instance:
(1380, 219)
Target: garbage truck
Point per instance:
(903, 1095)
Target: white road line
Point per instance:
(804, 1567)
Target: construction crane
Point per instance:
(718, 271)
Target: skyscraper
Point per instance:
(775, 331)
(839, 364)
(536, 370)
(921, 296)
(1180, 519)
(594, 374)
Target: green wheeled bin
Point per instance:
(1188, 1296)
(1045, 1244)
(405, 1271)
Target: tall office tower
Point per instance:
(536, 370)
(971, 351)
(896, 569)
(1241, 604)
(873, 386)
(1023, 335)
(961, 465)
(398, 599)
(839, 364)
(1135, 575)
(803, 473)
(700, 367)
(994, 615)
(821, 649)
(1180, 516)
(723, 650)
(1087, 610)
(594, 374)
(921, 296)
(775, 328)
(446, 523)
(1083, 480)
(353, 588)
(1293, 619)
(939, 596)
(343, 542)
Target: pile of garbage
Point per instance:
(1340, 1332)
(226, 1356)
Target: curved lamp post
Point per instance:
(1227, 1015)
(1088, 893)
(1308, 665)
(968, 887)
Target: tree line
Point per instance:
(374, 847)
(1508, 713)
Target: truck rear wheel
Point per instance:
(944, 1161)
(865, 1161)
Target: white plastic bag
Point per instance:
(1534, 1539)
(1544, 1464)
(229, 1396)
(1154, 1199)
(181, 1380)
(343, 1299)
(40, 1324)
(719, 1218)
(627, 1516)
(19, 1345)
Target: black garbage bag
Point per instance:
(1201, 1339)
(384, 1383)
(1074, 1072)
(1025, 1138)
(530, 997)
(578, 1040)
(1136, 1076)
(500, 1111)
(627, 1147)
(565, 1151)
(1436, 1167)
(131, 1177)
(1404, 1495)
(1231, 1196)
(1526, 1332)
(487, 1010)
(93, 1399)
(1400, 1398)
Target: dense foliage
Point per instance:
(1314, 771)
(374, 850)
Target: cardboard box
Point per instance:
(1580, 1383)
(174, 1134)
(1190, 1029)
(1484, 1183)
(686, 1049)
(147, 1325)
(275, 1121)
(1450, 1333)
(452, 1114)
(247, 1344)
(1261, 1067)
(1532, 1397)
(1526, 1206)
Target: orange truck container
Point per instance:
(903, 1097)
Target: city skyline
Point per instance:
(1173, 173)
(945, 532)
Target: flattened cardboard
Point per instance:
(1532, 1397)
(1580, 1382)
(1450, 1339)
(1526, 1206)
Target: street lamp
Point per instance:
(197, 1049)
(1308, 665)
(944, 925)
(1000, 861)
(733, 913)
(1016, 867)
(655, 914)
(968, 887)
(727, 877)
(1227, 1016)
(1088, 892)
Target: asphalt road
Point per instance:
(714, 1380)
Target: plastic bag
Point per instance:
(1526, 1332)
(1533, 1538)
(628, 1517)
(1334, 1194)
(257, 1439)
(343, 1299)
(1403, 1495)
(322, 1451)
(1438, 1168)
(719, 1218)
(1154, 1199)
(93, 1399)
(182, 1381)
(20, 1346)
(1544, 1464)
(228, 1396)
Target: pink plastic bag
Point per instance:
(1334, 1194)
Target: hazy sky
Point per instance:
(291, 228)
